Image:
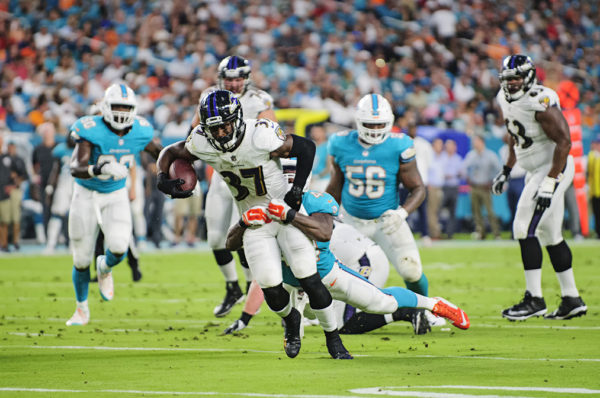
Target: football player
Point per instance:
(316, 220)
(220, 212)
(60, 190)
(540, 143)
(105, 149)
(246, 154)
(369, 163)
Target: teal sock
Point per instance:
(421, 286)
(404, 297)
(81, 282)
(112, 260)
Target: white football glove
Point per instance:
(235, 327)
(117, 170)
(393, 219)
(255, 217)
(499, 185)
(279, 210)
(545, 192)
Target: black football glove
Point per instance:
(172, 187)
(294, 197)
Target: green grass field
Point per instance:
(159, 337)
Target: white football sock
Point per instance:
(566, 279)
(229, 272)
(533, 282)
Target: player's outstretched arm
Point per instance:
(336, 181)
(556, 128)
(411, 179)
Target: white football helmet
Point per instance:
(288, 167)
(373, 109)
(114, 96)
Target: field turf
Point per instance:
(159, 338)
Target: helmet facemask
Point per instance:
(233, 67)
(515, 67)
(119, 106)
(374, 119)
(221, 120)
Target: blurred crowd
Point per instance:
(436, 61)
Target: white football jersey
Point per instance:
(251, 175)
(533, 147)
(254, 100)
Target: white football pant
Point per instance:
(220, 212)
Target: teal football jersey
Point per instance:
(370, 172)
(109, 147)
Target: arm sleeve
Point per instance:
(304, 150)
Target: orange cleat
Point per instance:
(451, 312)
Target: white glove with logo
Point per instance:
(114, 169)
(393, 219)
(545, 192)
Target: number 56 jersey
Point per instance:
(370, 172)
(253, 177)
(533, 148)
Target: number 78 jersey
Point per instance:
(533, 148)
(370, 173)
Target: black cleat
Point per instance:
(291, 336)
(336, 347)
(528, 307)
(233, 296)
(420, 323)
(136, 274)
(570, 307)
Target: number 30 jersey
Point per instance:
(253, 177)
(533, 148)
(110, 147)
(370, 172)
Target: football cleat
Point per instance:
(105, 279)
(570, 307)
(235, 327)
(291, 337)
(419, 321)
(336, 347)
(434, 321)
(233, 296)
(528, 307)
(81, 317)
(451, 312)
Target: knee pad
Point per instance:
(560, 256)
(318, 294)
(223, 256)
(276, 297)
(242, 257)
(531, 253)
(410, 268)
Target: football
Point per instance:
(183, 169)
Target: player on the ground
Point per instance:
(540, 143)
(344, 283)
(60, 189)
(246, 154)
(105, 148)
(369, 163)
(233, 75)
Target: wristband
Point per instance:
(291, 214)
(506, 170)
(242, 224)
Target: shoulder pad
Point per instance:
(267, 134)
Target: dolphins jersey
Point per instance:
(533, 148)
(110, 147)
(370, 172)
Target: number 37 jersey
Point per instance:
(370, 172)
(251, 175)
(533, 148)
